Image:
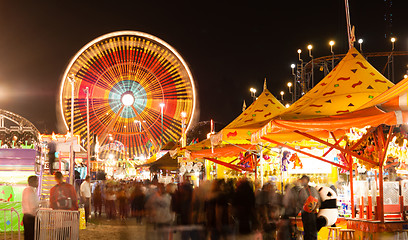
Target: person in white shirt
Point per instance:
(30, 204)
(85, 192)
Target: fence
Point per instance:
(56, 224)
(8, 220)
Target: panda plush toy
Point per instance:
(328, 212)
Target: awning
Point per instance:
(225, 151)
(285, 130)
(166, 162)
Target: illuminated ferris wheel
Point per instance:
(140, 92)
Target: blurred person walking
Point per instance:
(123, 203)
(63, 195)
(268, 203)
(110, 199)
(309, 202)
(289, 202)
(218, 212)
(30, 204)
(159, 213)
(97, 200)
(138, 202)
(182, 203)
(85, 193)
(244, 204)
(52, 148)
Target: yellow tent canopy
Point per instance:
(394, 99)
(260, 112)
(352, 83)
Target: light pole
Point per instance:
(331, 43)
(294, 81)
(290, 89)
(88, 147)
(253, 92)
(310, 47)
(360, 42)
(282, 93)
(299, 51)
(302, 80)
(393, 39)
(161, 113)
(71, 154)
(183, 129)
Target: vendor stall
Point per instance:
(315, 118)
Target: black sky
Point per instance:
(230, 46)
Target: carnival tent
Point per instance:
(351, 84)
(328, 110)
(354, 80)
(395, 98)
(262, 110)
(226, 146)
(166, 162)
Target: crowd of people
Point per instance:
(215, 209)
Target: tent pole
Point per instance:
(335, 146)
(350, 161)
(256, 167)
(380, 202)
(349, 31)
(261, 165)
(382, 155)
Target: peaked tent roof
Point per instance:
(395, 98)
(352, 83)
(260, 112)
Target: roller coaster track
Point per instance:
(318, 61)
(17, 119)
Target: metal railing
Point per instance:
(56, 224)
(10, 221)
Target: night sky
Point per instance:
(229, 47)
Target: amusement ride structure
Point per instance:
(140, 92)
(16, 130)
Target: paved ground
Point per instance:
(102, 229)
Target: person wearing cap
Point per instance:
(308, 218)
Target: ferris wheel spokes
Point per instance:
(111, 124)
(144, 127)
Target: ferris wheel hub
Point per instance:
(127, 99)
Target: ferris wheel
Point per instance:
(140, 92)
